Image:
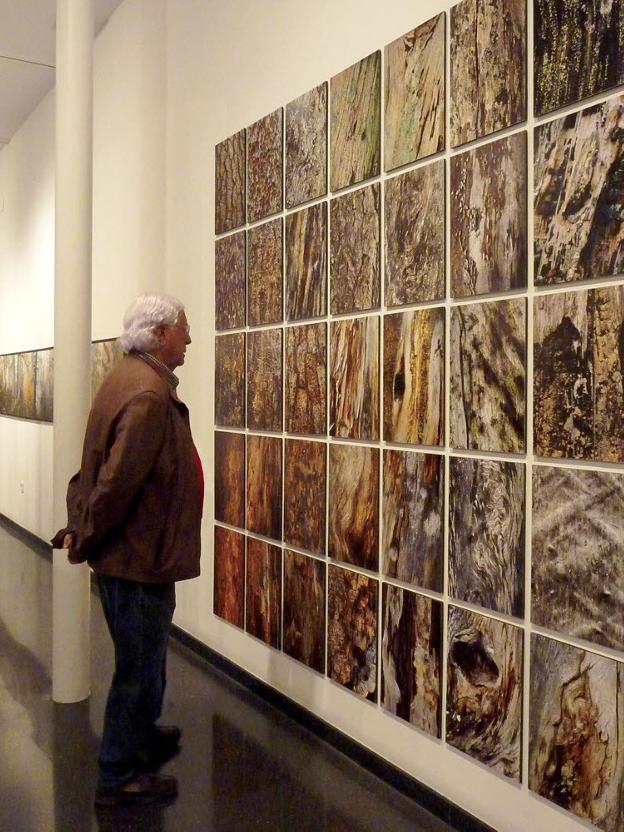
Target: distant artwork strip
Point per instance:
(306, 147)
(488, 67)
(486, 534)
(230, 183)
(577, 574)
(304, 610)
(352, 631)
(229, 575)
(576, 755)
(484, 690)
(105, 355)
(579, 193)
(578, 379)
(413, 522)
(415, 92)
(356, 122)
(579, 50)
(265, 169)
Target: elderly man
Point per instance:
(134, 513)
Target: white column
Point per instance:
(72, 330)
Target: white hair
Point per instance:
(145, 313)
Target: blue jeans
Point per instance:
(139, 618)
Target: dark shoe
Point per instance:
(162, 747)
(144, 789)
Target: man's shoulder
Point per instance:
(132, 377)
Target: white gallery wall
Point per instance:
(172, 79)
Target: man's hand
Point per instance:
(68, 541)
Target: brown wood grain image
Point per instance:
(304, 610)
(306, 146)
(264, 591)
(264, 486)
(305, 478)
(229, 575)
(306, 386)
(265, 169)
(230, 183)
(229, 472)
(230, 281)
(230, 380)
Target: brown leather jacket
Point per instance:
(135, 506)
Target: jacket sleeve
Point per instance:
(138, 438)
(73, 511)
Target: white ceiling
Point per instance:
(27, 41)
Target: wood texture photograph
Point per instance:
(264, 380)
(229, 468)
(413, 398)
(230, 281)
(488, 376)
(414, 112)
(489, 218)
(354, 505)
(488, 67)
(354, 254)
(265, 167)
(230, 183)
(411, 658)
(414, 220)
(304, 610)
(352, 631)
(413, 522)
(306, 379)
(230, 380)
(578, 382)
(306, 147)
(105, 355)
(579, 50)
(265, 273)
(576, 755)
(487, 534)
(263, 610)
(305, 478)
(579, 195)
(229, 575)
(484, 690)
(354, 379)
(17, 387)
(264, 486)
(44, 385)
(306, 263)
(355, 117)
(577, 574)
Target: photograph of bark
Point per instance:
(264, 591)
(25, 374)
(352, 631)
(105, 355)
(230, 380)
(411, 656)
(578, 386)
(304, 610)
(488, 67)
(576, 755)
(229, 575)
(413, 523)
(44, 385)
(354, 505)
(579, 50)
(265, 273)
(306, 376)
(414, 114)
(8, 384)
(413, 404)
(306, 147)
(230, 183)
(354, 251)
(484, 690)
(579, 194)
(488, 376)
(264, 380)
(486, 534)
(229, 467)
(306, 263)
(354, 379)
(305, 477)
(577, 575)
(264, 167)
(489, 217)
(355, 117)
(264, 486)
(230, 281)
(414, 219)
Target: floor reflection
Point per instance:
(243, 765)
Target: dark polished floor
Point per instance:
(243, 764)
